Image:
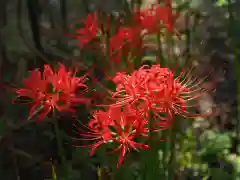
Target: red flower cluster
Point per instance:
(89, 31)
(118, 126)
(124, 124)
(145, 22)
(156, 89)
(52, 90)
(146, 90)
(151, 19)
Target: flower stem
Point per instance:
(233, 34)
(171, 162)
(159, 46)
(59, 142)
(165, 148)
(151, 167)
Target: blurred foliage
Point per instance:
(33, 33)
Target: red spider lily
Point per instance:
(117, 125)
(115, 49)
(171, 95)
(89, 31)
(126, 39)
(187, 88)
(118, 42)
(149, 19)
(35, 89)
(130, 87)
(52, 90)
(169, 18)
(155, 89)
(67, 83)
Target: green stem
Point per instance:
(159, 46)
(152, 170)
(107, 36)
(171, 163)
(59, 142)
(233, 34)
(139, 3)
(188, 40)
(165, 153)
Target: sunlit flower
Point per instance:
(119, 127)
(52, 90)
(146, 99)
(156, 89)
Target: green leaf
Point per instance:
(220, 3)
(213, 142)
(182, 6)
(149, 58)
(33, 16)
(218, 173)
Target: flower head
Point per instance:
(150, 19)
(52, 90)
(119, 127)
(157, 90)
(89, 31)
(125, 39)
(149, 90)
